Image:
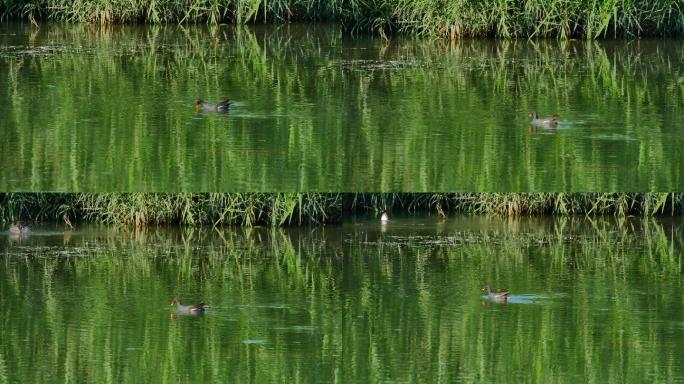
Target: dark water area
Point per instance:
(591, 301)
(89, 108)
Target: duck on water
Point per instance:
(222, 106)
(192, 309)
(501, 296)
(19, 228)
(548, 122)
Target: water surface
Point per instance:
(592, 301)
(86, 108)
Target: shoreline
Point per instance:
(296, 209)
(565, 20)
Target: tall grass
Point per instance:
(247, 209)
(503, 18)
(278, 209)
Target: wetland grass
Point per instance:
(279, 209)
(531, 18)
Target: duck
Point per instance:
(384, 217)
(496, 296)
(549, 121)
(18, 228)
(194, 309)
(218, 107)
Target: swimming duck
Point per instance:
(218, 107)
(194, 309)
(550, 121)
(18, 228)
(384, 217)
(496, 296)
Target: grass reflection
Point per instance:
(415, 116)
(351, 303)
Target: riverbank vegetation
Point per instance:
(531, 18)
(276, 209)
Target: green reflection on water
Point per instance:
(355, 303)
(110, 109)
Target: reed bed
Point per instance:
(502, 18)
(282, 209)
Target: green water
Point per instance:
(591, 301)
(86, 108)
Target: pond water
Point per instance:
(591, 301)
(89, 108)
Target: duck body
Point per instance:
(223, 106)
(496, 296)
(195, 309)
(549, 121)
(18, 228)
(384, 217)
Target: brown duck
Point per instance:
(19, 228)
(194, 309)
(549, 121)
(496, 296)
(211, 107)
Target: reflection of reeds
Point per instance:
(324, 110)
(374, 308)
(565, 19)
(277, 209)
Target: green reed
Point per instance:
(278, 209)
(503, 18)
